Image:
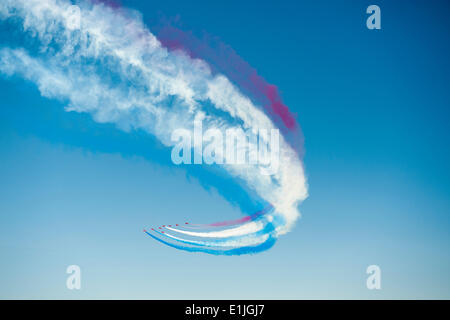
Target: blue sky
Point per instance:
(373, 106)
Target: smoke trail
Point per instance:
(223, 59)
(108, 64)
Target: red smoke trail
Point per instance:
(222, 58)
(239, 221)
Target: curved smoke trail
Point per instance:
(223, 59)
(104, 61)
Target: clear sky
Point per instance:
(374, 109)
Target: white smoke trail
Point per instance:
(114, 68)
(232, 232)
(247, 241)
